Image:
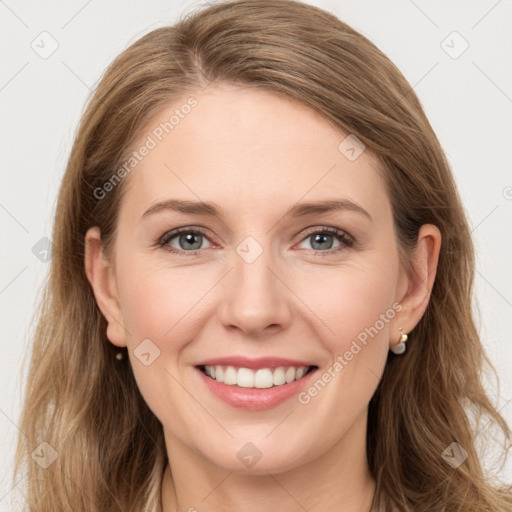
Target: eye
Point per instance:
(183, 240)
(190, 241)
(328, 240)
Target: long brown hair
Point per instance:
(86, 405)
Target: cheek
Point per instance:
(156, 301)
(160, 308)
(352, 300)
(356, 306)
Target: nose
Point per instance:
(255, 297)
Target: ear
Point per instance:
(419, 280)
(101, 276)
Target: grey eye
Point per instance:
(322, 241)
(188, 241)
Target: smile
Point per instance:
(254, 384)
(261, 378)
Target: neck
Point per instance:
(338, 480)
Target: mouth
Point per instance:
(254, 383)
(256, 378)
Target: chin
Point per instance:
(250, 460)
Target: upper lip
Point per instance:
(254, 363)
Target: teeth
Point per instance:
(261, 378)
(230, 376)
(279, 376)
(245, 378)
(290, 375)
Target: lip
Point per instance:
(254, 363)
(254, 399)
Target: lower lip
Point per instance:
(253, 398)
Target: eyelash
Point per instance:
(346, 241)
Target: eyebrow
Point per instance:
(214, 210)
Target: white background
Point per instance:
(468, 101)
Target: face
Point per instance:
(266, 284)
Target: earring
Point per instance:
(119, 356)
(400, 347)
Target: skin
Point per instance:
(257, 154)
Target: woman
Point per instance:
(198, 348)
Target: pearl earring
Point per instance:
(400, 347)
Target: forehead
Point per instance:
(248, 148)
